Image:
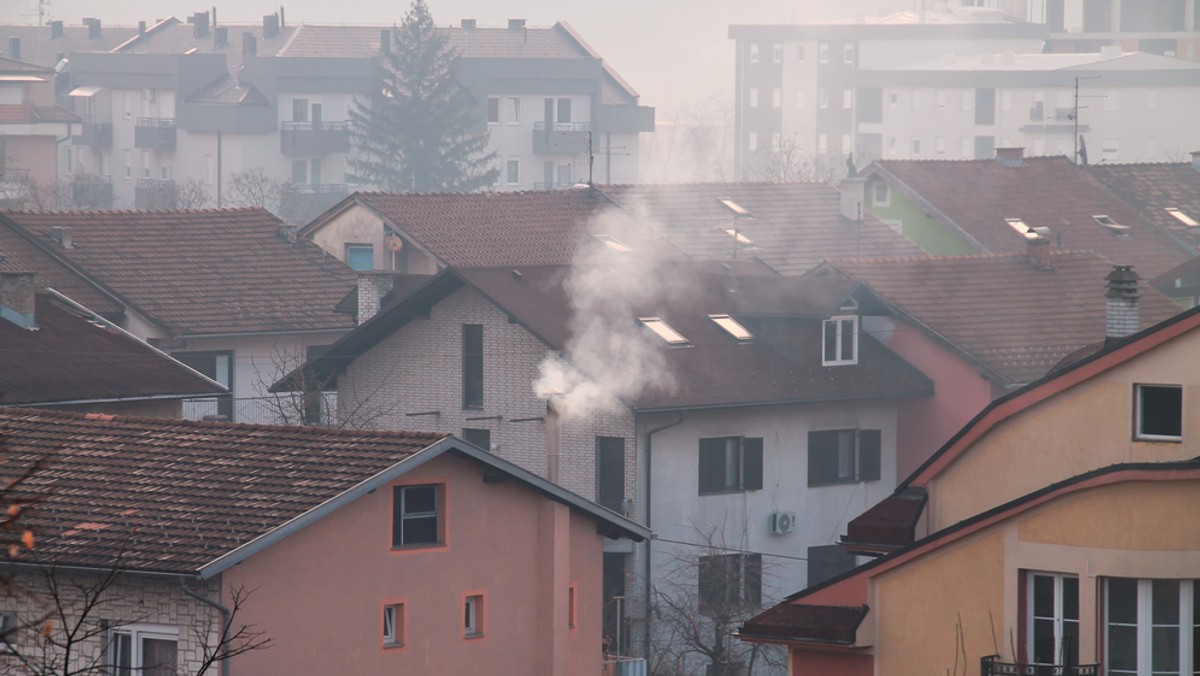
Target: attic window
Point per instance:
(732, 326)
(663, 330)
(1182, 217)
(741, 238)
(737, 209)
(839, 341)
(614, 243)
(1112, 225)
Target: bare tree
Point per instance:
(253, 188)
(787, 161)
(696, 145)
(191, 194)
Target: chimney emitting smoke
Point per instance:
(553, 440)
(1121, 316)
(17, 290)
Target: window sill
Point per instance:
(469, 637)
(1152, 439)
(842, 482)
(392, 645)
(727, 491)
(415, 547)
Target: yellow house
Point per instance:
(1057, 533)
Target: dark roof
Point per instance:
(8, 65)
(978, 195)
(54, 114)
(1152, 188)
(1000, 311)
(791, 622)
(781, 365)
(19, 254)
(37, 47)
(794, 225)
(201, 272)
(74, 356)
(184, 497)
(501, 228)
(889, 524)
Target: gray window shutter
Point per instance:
(869, 455)
(752, 464)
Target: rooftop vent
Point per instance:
(468, 23)
(516, 24)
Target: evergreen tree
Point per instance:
(419, 130)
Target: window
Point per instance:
(493, 110)
(753, 98)
(880, 195)
(916, 100)
(416, 518)
(916, 146)
(826, 561)
(846, 143)
(822, 143)
(144, 650)
(777, 53)
(731, 464)
(473, 616)
(848, 53)
(730, 580)
(823, 52)
(1182, 217)
(753, 52)
(564, 111)
(752, 141)
(1052, 622)
(663, 330)
(472, 365)
(847, 98)
(314, 175)
(776, 98)
(985, 106)
(822, 98)
(360, 256)
(1159, 412)
(514, 110)
(610, 473)
(1152, 626)
(512, 174)
(299, 172)
(940, 145)
(145, 164)
(219, 367)
(128, 165)
(393, 625)
(843, 456)
(840, 340)
(299, 110)
(563, 178)
(799, 52)
(893, 100)
(732, 326)
(941, 99)
(478, 437)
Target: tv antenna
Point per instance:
(608, 150)
(43, 13)
(1075, 108)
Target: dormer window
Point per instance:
(839, 339)
(664, 331)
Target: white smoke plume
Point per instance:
(610, 357)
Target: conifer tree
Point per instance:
(419, 130)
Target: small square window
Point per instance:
(729, 464)
(777, 53)
(393, 625)
(840, 341)
(753, 52)
(823, 52)
(880, 195)
(728, 582)
(477, 436)
(360, 256)
(844, 456)
(513, 172)
(416, 516)
(1159, 412)
(514, 110)
(473, 616)
(848, 52)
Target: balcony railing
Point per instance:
(301, 202)
(91, 191)
(152, 193)
(560, 138)
(94, 132)
(155, 133)
(990, 666)
(283, 409)
(314, 138)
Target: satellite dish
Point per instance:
(393, 243)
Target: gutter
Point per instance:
(226, 620)
(112, 400)
(649, 464)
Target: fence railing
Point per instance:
(314, 126)
(991, 666)
(562, 126)
(285, 409)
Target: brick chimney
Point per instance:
(854, 193)
(1121, 316)
(372, 287)
(17, 292)
(1011, 157)
(1037, 249)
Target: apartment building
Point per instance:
(202, 103)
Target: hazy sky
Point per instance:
(674, 52)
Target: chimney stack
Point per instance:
(14, 48)
(93, 26)
(214, 16)
(553, 441)
(56, 30)
(468, 23)
(282, 23)
(249, 45)
(854, 192)
(62, 235)
(1196, 160)
(372, 287)
(516, 24)
(1011, 157)
(200, 24)
(17, 292)
(270, 25)
(141, 28)
(220, 36)
(385, 40)
(1121, 316)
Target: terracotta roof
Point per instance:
(503, 228)
(790, 622)
(1152, 188)
(794, 225)
(173, 495)
(977, 196)
(781, 365)
(1014, 320)
(72, 357)
(18, 254)
(890, 524)
(202, 272)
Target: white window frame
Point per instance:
(848, 52)
(1137, 430)
(1145, 627)
(393, 625)
(886, 200)
(753, 52)
(777, 52)
(474, 607)
(847, 99)
(508, 174)
(823, 52)
(514, 110)
(136, 633)
(1058, 616)
(839, 324)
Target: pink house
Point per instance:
(367, 552)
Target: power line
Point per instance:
(733, 550)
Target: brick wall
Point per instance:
(419, 370)
(132, 599)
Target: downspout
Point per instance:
(649, 465)
(226, 619)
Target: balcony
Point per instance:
(95, 133)
(989, 666)
(309, 139)
(285, 408)
(561, 138)
(89, 191)
(155, 133)
(151, 193)
(300, 202)
(623, 666)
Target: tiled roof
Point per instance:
(807, 623)
(37, 47)
(173, 495)
(8, 65)
(475, 43)
(502, 228)
(206, 271)
(73, 358)
(794, 225)
(17, 254)
(54, 114)
(1050, 192)
(1152, 189)
(1015, 320)
(781, 365)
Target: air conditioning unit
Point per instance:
(783, 522)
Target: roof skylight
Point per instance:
(739, 236)
(737, 209)
(1109, 223)
(1025, 231)
(732, 326)
(614, 243)
(1183, 217)
(663, 330)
